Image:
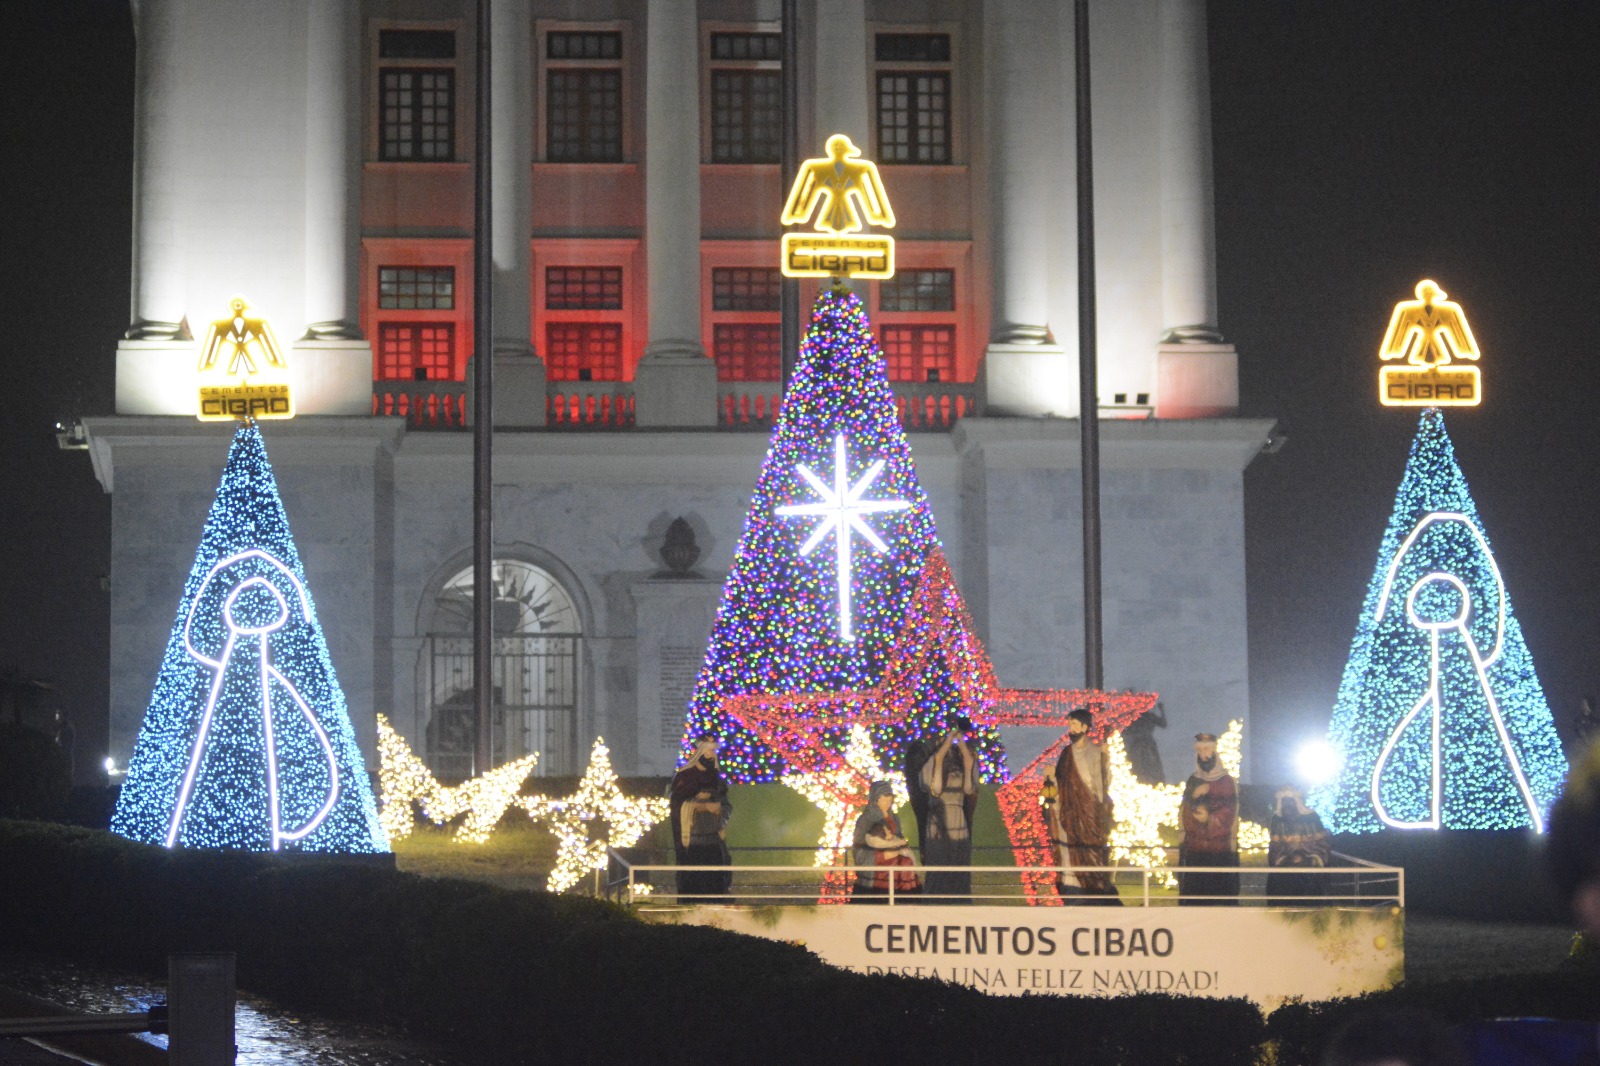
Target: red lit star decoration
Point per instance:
(805, 727)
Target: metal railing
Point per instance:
(1356, 883)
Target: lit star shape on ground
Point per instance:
(592, 821)
(805, 727)
(840, 509)
(404, 780)
(841, 793)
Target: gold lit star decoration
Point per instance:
(404, 780)
(841, 793)
(1143, 811)
(592, 821)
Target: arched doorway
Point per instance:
(538, 644)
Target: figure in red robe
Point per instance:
(1209, 816)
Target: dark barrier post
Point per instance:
(200, 1002)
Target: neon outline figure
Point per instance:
(240, 335)
(1433, 697)
(1429, 331)
(841, 508)
(832, 182)
(269, 674)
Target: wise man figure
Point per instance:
(699, 812)
(1209, 816)
(1080, 814)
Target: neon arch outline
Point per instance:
(268, 673)
(1480, 664)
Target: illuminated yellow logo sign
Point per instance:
(243, 373)
(1431, 334)
(838, 189)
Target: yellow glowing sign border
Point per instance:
(838, 189)
(242, 370)
(1430, 333)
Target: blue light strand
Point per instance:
(201, 770)
(1481, 785)
(777, 628)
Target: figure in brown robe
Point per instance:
(1082, 814)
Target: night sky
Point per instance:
(1358, 148)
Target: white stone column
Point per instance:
(331, 365)
(519, 377)
(1029, 106)
(333, 169)
(1197, 373)
(841, 95)
(1188, 230)
(159, 289)
(675, 384)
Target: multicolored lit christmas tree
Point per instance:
(834, 544)
(1440, 720)
(247, 743)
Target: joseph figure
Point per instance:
(1082, 814)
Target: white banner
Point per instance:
(1265, 954)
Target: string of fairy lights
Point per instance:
(1440, 721)
(247, 743)
(778, 628)
(405, 784)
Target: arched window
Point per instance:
(538, 638)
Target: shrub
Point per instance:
(35, 777)
(528, 977)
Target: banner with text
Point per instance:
(1265, 954)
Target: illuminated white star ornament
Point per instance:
(840, 509)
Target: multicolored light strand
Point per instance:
(405, 783)
(1440, 721)
(247, 743)
(778, 629)
(592, 821)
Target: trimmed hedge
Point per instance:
(524, 977)
(528, 977)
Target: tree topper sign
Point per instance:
(243, 373)
(838, 189)
(1431, 334)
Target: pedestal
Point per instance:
(1029, 380)
(675, 388)
(1197, 381)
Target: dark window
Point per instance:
(913, 117)
(417, 288)
(584, 115)
(747, 46)
(583, 351)
(746, 116)
(582, 288)
(745, 289)
(417, 114)
(416, 44)
(918, 290)
(414, 351)
(583, 44)
(920, 353)
(913, 48)
(747, 352)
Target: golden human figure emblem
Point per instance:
(243, 373)
(1431, 335)
(838, 190)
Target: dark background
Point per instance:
(1359, 147)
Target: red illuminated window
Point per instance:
(415, 351)
(747, 352)
(920, 353)
(583, 351)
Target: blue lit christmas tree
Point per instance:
(833, 546)
(247, 743)
(1440, 719)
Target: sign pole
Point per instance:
(789, 288)
(483, 416)
(1088, 375)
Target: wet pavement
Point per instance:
(265, 1033)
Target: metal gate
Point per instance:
(535, 702)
